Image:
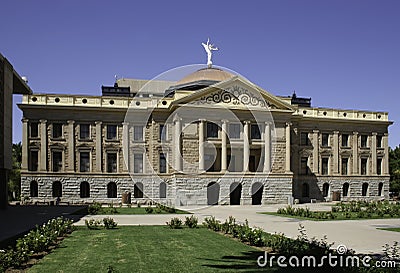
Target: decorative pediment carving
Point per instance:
(235, 95)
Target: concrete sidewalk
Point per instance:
(359, 235)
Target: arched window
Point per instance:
(346, 187)
(236, 193)
(85, 190)
(34, 192)
(364, 190)
(138, 190)
(305, 190)
(325, 190)
(57, 189)
(256, 193)
(111, 190)
(163, 190)
(212, 193)
(380, 189)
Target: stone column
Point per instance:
(125, 146)
(177, 143)
(25, 144)
(43, 146)
(201, 145)
(224, 154)
(335, 149)
(99, 145)
(315, 152)
(385, 160)
(373, 152)
(71, 146)
(267, 148)
(287, 137)
(246, 146)
(355, 153)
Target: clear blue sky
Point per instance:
(343, 54)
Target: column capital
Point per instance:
(70, 121)
(288, 124)
(225, 121)
(24, 120)
(98, 122)
(374, 133)
(355, 133)
(176, 118)
(315, 131)
(247, 122)
(336, 132)
(43, 120)
(125, 123)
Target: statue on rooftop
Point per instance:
(209, 48)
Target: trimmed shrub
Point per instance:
(175, 223)
(149, 210)
(109, 223)
(191, 221)
(93, 224)
(94, 208)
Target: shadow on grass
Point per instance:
(247, 262)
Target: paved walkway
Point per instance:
(360, 235)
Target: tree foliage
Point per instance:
(394, 169)
(14, 181)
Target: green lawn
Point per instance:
(391, 229)
(150, 249)
(339, 216)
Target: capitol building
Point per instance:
(211, 137)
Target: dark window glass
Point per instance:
(305, 190)
(33, 160)
(255, 132)
(34, 192)
(346, 189)
(111, 131)
(138, 133)
(138, 190)
(212, 129)
(111, 162)
(57, 161)
(57, 130)
(84, 131)
(163, 190)
(379, 166)
(163, 163)
(303, 165)
(111, 190)
(57, 189)
(304, 140)
(364, 162)
(234, 131)
(325, 166)
(379, 141)
(163, 132)
(364, 141)
(364, 190)
(138, 163)
(85, 190)
(325, 190)
(345, 140)
(84, 162)
(345, 162)
(34, 132)
(325, 140)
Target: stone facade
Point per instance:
(271, 150)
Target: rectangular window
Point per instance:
(57, 161)
(345, 140)
(234, 131)
(84, 164)
(379, 166)
(325, 140)
(325, 166)
(57, 130)
(364, 162)
(33, 161)
(345, 163)
(212, 130)
(163, 163)
(34, 129)
(84, 131)
(255, 132)
(304, 165)
(138, 133)
(111, 132)
(138, 163)
(163, 132)
(364, 141)
(378, 141)
(231, 162)
(304, 140)
(111, 162)
(209, 161)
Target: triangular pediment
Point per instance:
(236, 93)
